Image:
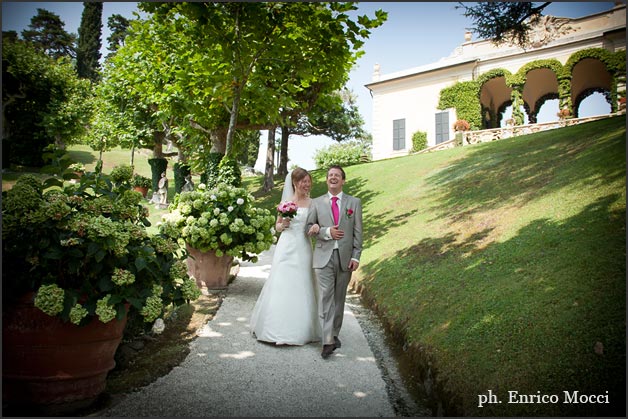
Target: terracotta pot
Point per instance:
(141, 189)
(208, 269)
(52, 366)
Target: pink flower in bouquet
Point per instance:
(287, 209)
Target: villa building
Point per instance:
(567, 59)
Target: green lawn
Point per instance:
(501, 264)
(505, 264)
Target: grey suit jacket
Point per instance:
(350, 246)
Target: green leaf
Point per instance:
(100, 255)
(105, 284)
(140, 264)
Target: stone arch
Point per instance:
(594, 70)
(494, 91)
(539, 103)
(585, 94)
(589, 75)
(501, 110)
(542, 81)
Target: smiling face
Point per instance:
(303, 186)
(301, 182)
(335, 180)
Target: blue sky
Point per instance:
(416, 33)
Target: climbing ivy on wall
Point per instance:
(615, 64)
(464, 97)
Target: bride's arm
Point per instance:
(314, 229)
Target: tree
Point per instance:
(88, 51)
(118, 26)
(334, 115)
(46, 33)
(247, 146)
(213, 68)
(43, 102)
(503, 22)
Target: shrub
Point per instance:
(222, 219)
(181, 170)
(229, 172)
(121, 174)
(419, 141)
(84, 251)
(77, 167)
(140, 181)
(343, 154)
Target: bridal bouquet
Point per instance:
(287, 209)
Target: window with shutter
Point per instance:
(399, 134)
(442, 127)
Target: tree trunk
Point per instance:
(218, 139)
(233, 117)
(158, 147)
(270, 161)
(282, 169)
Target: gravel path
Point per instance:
(229, 373)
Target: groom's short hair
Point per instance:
(335, 166)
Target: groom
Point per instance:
(336, 254)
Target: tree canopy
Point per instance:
(212, 68)
(88, 51)
(118, 26)
(43, 102)
(47, 34)
(503, 21)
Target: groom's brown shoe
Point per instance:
(337, 343)
(327, 350)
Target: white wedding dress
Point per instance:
(286, 311)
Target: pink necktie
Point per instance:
(334, 209)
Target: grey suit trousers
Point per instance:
(333, 283)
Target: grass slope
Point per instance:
(503, 265)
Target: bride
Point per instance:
(286, 311)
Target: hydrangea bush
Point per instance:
(84, 250)
(223, 220)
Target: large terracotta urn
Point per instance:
(208, 269)
(54, 367)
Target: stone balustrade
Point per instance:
(486, 135)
